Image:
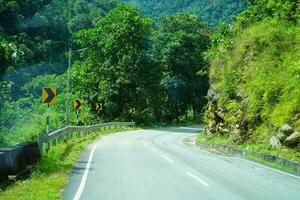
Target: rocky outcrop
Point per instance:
(216, 119)
(239, 131)
(275, 142)
(286, 129)
(293, 139)
(281, 136)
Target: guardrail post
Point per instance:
(54, 141)
(47, 143)
(69, 135)
(41, 144)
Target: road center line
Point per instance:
(197, 179)
(167, 158)
(86, 172)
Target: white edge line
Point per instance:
(86, 172)
(153, 149)
(167, 158)
(270, 168)
(197, 179)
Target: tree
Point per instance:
(111, 67)
(180, 46)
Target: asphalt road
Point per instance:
(156, 165)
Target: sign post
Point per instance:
(48, 118)
(99, 107)
(77, 105)
(132, 112)
(48, 97)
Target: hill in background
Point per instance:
(212, 11)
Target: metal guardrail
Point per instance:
(67, 131)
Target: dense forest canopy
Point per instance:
(154, 58)
(131, 62)
(36, 34)
(212, 11)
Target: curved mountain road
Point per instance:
(156, 165)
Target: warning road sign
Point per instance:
(99, 106)
(49, 95)
(78, 104)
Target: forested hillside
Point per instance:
(254, 95)
(128, 62)
(34, 35)
(34, 38)
(212, 11)
(158, 66)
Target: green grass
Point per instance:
(289, 154)
(270, 164)
(50, 176)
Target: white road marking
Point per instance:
(167, 158)
(197, 179)
(153, 149)
(270, 168)
(86, 172)
(145, 143)
(190, 128)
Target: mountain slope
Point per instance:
(254, 94)
(212, 11)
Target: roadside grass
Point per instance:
(50, 175)
(188, 122)
(270, 164)
(289, 154)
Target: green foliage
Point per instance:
(156, 74)
(34, 36)
(127, 62)
(255, 63)
(211, 11)
(115, 60)
(179, 46)
(269, 10)
(51, 174)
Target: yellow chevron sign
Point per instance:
(132, 110)
(78, 104)
(49, 95)
(99, 106)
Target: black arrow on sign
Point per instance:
(51, 95)
(78, 104)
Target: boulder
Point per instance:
(212, 95)
(220, 113)
(224, 131)
(275, 142)
(286, 129)
(236, 136)
(281, 136)
(293, 139)
(212, 126)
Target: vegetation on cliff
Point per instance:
(255, 76)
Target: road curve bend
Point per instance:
(156, 165)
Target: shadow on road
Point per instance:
(197, 129)
(80, 170)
